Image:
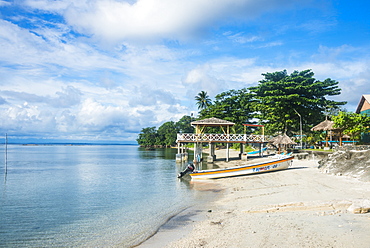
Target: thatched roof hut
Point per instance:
(212, 122)
(282, 140)
(326, 125)
(200, 125)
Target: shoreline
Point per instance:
(297, 207)
(182, 223)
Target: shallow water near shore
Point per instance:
(84, 196)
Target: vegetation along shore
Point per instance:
(284, 103)
(321, 201)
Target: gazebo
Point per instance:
(327, 125)
(282, 140)
(200, 128)
(200, 136)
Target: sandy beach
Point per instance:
(297, 207)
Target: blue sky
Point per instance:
(104, 69)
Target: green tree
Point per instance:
(147, 137)
(184, 125)
(167, 134)
(203, 100)
(280, 95)
(352, 124)
(233, 105)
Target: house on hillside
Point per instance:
(364, 108)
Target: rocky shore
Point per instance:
(352, 161)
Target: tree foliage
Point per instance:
(184, 124)
(280, 96)
(280, 101)
(165, 136)
(203, 100)
(233, 105)
(352, 124)
(147, 136)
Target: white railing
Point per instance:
(212, 137)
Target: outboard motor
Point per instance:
(189, 168)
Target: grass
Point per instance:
(319, 150)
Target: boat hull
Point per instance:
(267, 166)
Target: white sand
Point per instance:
(298, 207)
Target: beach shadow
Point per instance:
(180, 220)
(298, 168)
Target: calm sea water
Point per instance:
(88, 196)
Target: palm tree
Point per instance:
(203, 100)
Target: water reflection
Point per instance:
(65, 195)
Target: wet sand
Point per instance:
(297, 207)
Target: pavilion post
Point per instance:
(195, 153)
(211, 157)
(227, 152)
(260, 149)
(241, 150)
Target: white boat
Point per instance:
(258, 151)
(277, 162)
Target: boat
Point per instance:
(258, 151)
(277, 162)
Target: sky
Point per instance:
(101, 70)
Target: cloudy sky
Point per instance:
(104, 69)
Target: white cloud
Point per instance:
(43, 49)
(353, 78)
(68, 97)
(4, 3)
(60, 82)
(94, 115)
(2, 101)
(145, 95)
(271, 44)
(202, 78)
(27, 118)
(145, 20)
(242, 38)
(334, 53)
(222, 74)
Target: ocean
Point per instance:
(89, 195)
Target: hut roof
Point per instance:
(211, 122)
(282, 140)
(324, 126)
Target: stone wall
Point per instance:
(353, 161)
(351, 147)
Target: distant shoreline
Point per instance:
(71, 144)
